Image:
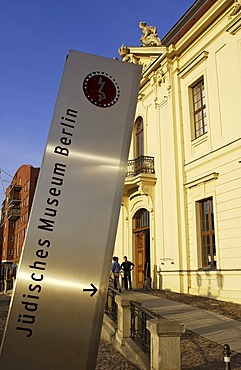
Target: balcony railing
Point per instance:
(14, 198)
(16, 188)
(2, 217)
(142, 164)
(15, 194)
(13, 214)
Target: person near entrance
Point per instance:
(127, 266)
(115, 268)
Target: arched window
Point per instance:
(141, 219)
(139, 137)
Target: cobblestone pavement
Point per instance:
(108, 357)
(197, 352)
(4, 303)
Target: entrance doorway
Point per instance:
(141, 231)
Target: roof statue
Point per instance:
(236, 8)
(149, 35)
(127, 56)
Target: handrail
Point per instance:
(199, 270)
(139, 332)
(111, 307)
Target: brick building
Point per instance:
(14, 217)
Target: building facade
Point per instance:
(180, 219)
(14, 217)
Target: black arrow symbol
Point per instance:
(93, 290)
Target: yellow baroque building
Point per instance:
(180, 219)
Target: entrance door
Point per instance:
(140, 258)
(142, 247)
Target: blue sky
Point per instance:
(35, 37)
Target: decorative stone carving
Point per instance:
(143, 189)
(160, 82)
(149, 35)
(159, 77)
(236, 8)
(127, 56)
(141, 96)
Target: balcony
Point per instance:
(14, 196)
(2, 218)
(14, 199)
(16, 188)
(13, 214)
(2, 212)
(142, 164)
(140, 172)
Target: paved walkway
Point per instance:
(218, 328)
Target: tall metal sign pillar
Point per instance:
(58, 303)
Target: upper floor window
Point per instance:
(208, 247)
(139, 137)
(199, 109)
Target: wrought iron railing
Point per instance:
(142, 164)
(111, 307)
(139, 332)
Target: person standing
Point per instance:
(115, 268)
(127, 266)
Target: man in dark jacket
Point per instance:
(127, 266)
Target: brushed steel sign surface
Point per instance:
(57, 307)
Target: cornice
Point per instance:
(147, 51)
(208, 177)
(188, 67)
(199, 26)
(187, 21)
(235, 26)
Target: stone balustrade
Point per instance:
(165, 338)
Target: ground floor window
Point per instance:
(207, 233)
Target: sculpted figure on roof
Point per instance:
(236, 8)
(149, 35)
(127, 56)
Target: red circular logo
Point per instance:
(101, 89)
